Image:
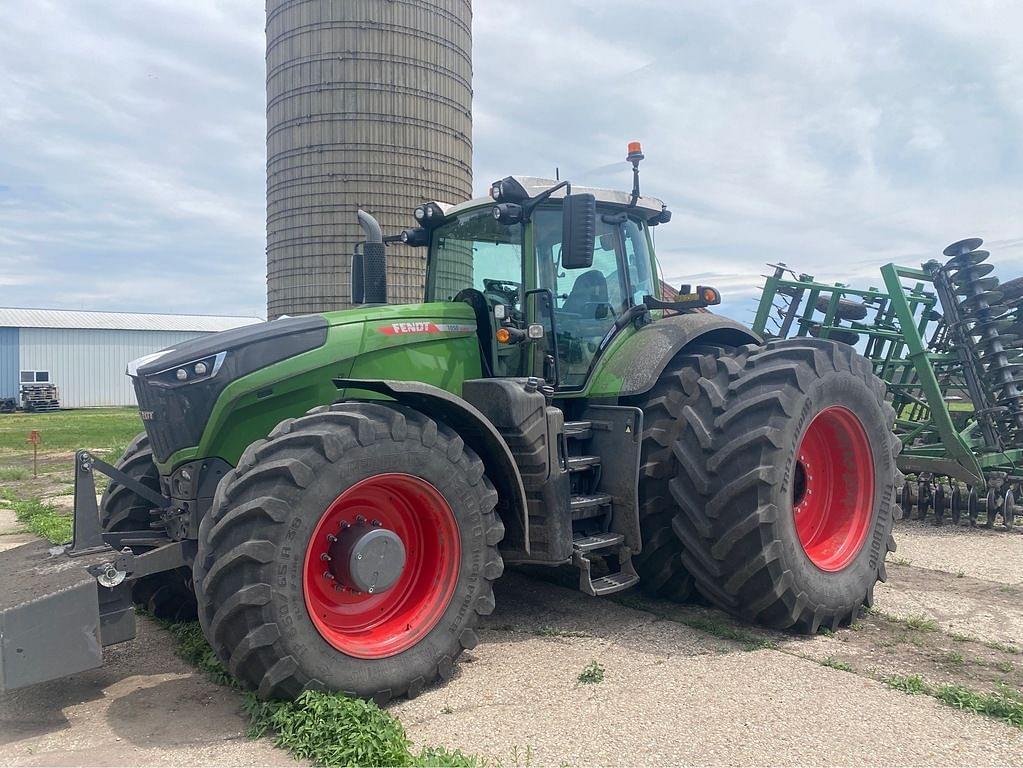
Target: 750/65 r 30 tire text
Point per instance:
(787, 484)
(354, 549)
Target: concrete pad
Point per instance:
(672, 696)
(960, 604)
(9, 522)
(994, 555)
(144, 707)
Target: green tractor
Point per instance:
(334, 495)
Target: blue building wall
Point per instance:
(9, 366)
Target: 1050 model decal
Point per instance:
(424, 326)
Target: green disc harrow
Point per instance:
(946, 338)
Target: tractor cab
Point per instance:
(512, 267)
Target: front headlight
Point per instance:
(188, 373)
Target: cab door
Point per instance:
(587, 301)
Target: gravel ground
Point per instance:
(671, 694)
(143, 707)
(986, 554)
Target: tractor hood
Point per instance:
(177, 388)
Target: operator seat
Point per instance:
(588, 293)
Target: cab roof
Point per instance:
(534, 185)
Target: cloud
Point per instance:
(833, 137)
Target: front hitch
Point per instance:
(60, 605)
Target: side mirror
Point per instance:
(579, 224)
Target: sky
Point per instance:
(835, 137)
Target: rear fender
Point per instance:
(632, 365)
(477, 432)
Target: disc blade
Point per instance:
(963, 246)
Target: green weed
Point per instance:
(836, 664)
(329, 729)
(912, 684)
(1004, 704)
(334, 730)
(10, 474)
(720, 628)
(41, 518)
(592, 673)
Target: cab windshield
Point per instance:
(476, 251)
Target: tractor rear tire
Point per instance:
(276, 604)
(166, 595)
(776, 424)
(659, 565)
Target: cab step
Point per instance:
(589, 505)
(581, 463)
(579, 430)
(603, 544)
(597, 541)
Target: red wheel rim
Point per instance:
(374, 626)
(833, 491)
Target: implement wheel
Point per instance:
(354, 550)
(907, 500)
(956, 503)
(167, 595)
(994, 499)
(940, 502)
(787, 488)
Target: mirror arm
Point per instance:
(533, 202)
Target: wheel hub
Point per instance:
(381, 565)
(366, 558)
(833, 489)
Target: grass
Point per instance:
(834, 663)
(41, 518)
(328, 729)
(11, 474)
(592, 673)
(751, 641)
(918, 622)
(105, 430)
(1004, 704)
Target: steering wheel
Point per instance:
(503, 292)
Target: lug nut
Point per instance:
(328, 575)
(360, 519)
(345, 524)
(325, 557)
(331, 538)
(376, 523)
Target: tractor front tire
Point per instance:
(277, 569)
(787, 484)
(167, 595)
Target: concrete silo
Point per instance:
(369, 104)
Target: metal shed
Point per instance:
(85, 353)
